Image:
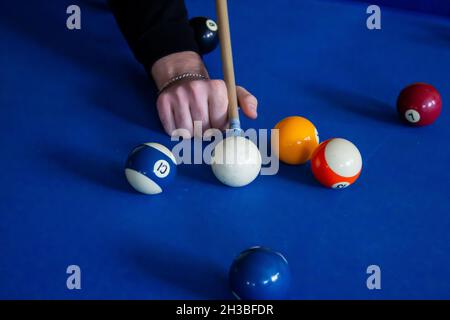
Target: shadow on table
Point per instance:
(114, 82)
(433, 34)
(91, 166)
(195, 274)
(132, 100)
(120, 85)
(198, 173)
(96, 47)
(356, 103)
(298, 174)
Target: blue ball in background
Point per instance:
(260, 273)
(150, 168)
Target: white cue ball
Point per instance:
(236, 161)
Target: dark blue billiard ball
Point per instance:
(206, 33)
(150, 168)
(260, 273)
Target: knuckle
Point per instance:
(163, 100)
(199, 114)
(179, 90)
(195, 85)
(218, 85)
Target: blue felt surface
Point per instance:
(74, 103)
(439, 7)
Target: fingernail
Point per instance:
(252, 107)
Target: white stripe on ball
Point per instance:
(141, 182)
(162, 149)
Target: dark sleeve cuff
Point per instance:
(164, 40)
(154, 28)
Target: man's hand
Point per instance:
(194, 100)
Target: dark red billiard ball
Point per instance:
(206, 33)
(419, 104)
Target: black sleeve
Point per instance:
(154, 28)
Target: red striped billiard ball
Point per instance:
(336, 163)
(419, 104)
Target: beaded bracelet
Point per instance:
(187, 75)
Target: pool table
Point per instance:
(73, 104)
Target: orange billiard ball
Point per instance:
(297, 139)
(336, 163)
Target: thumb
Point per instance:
(247, 102)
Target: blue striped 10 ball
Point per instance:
(150, 168)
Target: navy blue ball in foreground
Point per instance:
(260, 273)
(150, 168)
(206, 33)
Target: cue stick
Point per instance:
(227, 65)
